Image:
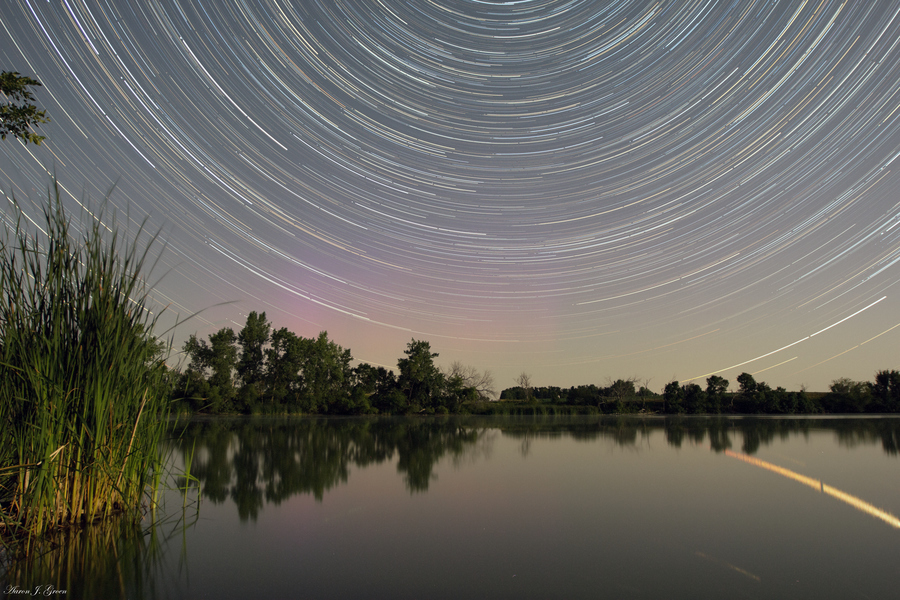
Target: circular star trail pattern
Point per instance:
(576, 189)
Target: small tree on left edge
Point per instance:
(19, 115)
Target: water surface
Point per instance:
(527, 507)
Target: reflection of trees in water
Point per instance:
(674, 432)
(719, 440)
(757, 432)
(623, 429)
(882, 430)
(421, 445)
(719, 432)
(259, 461)
(481, 449)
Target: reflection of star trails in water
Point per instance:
(850, 499)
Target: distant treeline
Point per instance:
(752, 397)
(259, 370)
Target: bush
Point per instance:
(82, 379)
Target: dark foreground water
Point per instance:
(583, 507)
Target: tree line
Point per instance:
(757, 397)
(259, 370)
(751, 397)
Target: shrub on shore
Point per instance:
(81, 375)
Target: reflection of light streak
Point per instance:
(850, 499)
(728, 565)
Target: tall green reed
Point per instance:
(81, 375)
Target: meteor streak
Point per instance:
(788, 346)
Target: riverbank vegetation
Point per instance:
(81, 375)
(261, 371)
(751, 397)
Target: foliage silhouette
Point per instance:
(19, 115)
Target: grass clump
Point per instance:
(81, 375)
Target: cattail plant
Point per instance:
(81, 375)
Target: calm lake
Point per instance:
(524, 507)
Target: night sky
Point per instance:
(578, 189)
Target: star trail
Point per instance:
(572, 188)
